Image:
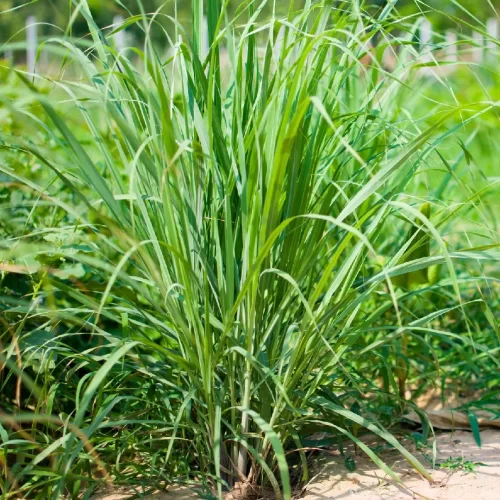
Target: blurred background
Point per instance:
(52, 17)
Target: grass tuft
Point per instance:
(208, 258)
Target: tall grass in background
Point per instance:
(222, 256)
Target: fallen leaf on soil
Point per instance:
(450, 419)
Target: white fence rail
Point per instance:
(31, 43)
(119, 38)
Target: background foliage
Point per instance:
(55, 13)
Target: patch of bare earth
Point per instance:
(368, 482)
(126, 493)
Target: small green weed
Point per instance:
(453, 464)
(460, 464)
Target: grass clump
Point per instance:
(213, 258)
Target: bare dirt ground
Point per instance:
(454, 440)
(331, 480)
(124, 494)
(368, 482)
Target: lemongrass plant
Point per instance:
(228, 218)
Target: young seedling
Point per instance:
(454, 464)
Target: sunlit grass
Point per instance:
(218, 263)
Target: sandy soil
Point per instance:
(368, 482)
(124, 494)
(331, 479)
